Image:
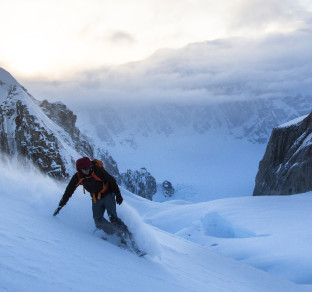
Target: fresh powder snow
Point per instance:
(236, 244)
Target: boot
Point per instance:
(106, 226)
(120, 226)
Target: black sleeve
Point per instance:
(70, 189)
(106, 177)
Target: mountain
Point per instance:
(46, 134)
(42, 132)
(286, 166)
(207, 151)
(253, 120)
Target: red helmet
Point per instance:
(83, 163)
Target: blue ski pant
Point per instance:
(107, 203)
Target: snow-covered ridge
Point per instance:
(6, 77)
(293, 122)
(30, 131)
(26, 129)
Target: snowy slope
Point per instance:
(6, 77)
(269, 233)
(293, 122)
(40, 252)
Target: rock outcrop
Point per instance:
(286, 167)
(140, 182)
(44, 133)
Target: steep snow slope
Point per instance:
(6, 77)
(43, 253)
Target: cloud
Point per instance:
(60, 37)
(122, 37)
(204, 72)
(254, 18)
(260, 12)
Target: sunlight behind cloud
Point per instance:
(28, 56)
(57, 38)
(278, 65)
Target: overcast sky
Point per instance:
(56, 38)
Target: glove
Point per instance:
(119, 199)
(57, 210)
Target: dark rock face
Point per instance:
(61, 115)
(66, 119)
(286, 167)
(141, 183)
(22, 134)
(44, 133)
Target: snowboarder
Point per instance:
(103, 190)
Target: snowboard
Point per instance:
(123, 240)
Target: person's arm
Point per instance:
(70, 189)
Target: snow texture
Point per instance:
(240, 244)
(7, 78)
(293, 122)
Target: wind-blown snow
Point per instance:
(40, 252)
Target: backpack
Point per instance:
(97, 163)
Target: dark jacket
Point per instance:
(92, 185)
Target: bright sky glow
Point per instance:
(55, 38)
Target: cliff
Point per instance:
(286, 167)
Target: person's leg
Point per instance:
(98, 210)
(120, 227)
(110, 204)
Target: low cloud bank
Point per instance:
(212, 71)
